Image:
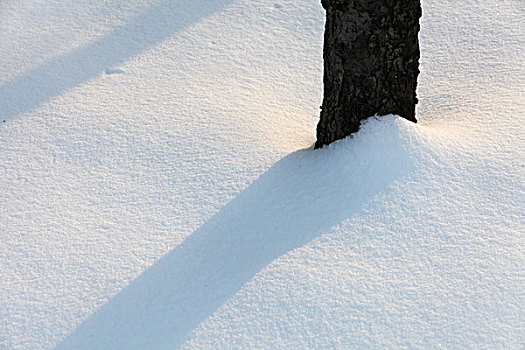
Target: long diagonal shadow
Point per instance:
(62, 73)
(296, 200)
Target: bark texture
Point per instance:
(371, 63)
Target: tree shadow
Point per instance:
(62, 73)
(299, 198)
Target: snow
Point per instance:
(159, 189)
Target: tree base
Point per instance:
(371, 63)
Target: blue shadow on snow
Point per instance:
(65, 72)
(299, 198)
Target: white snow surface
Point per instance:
(158, 188)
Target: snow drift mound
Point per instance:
(299, 198)
(410, 239)
(384, 239)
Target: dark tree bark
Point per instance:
(371, 63)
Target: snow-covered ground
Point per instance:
(158, 189)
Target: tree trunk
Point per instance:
(371, 63)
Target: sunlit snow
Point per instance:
(158, 187)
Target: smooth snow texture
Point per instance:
(159, 189)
